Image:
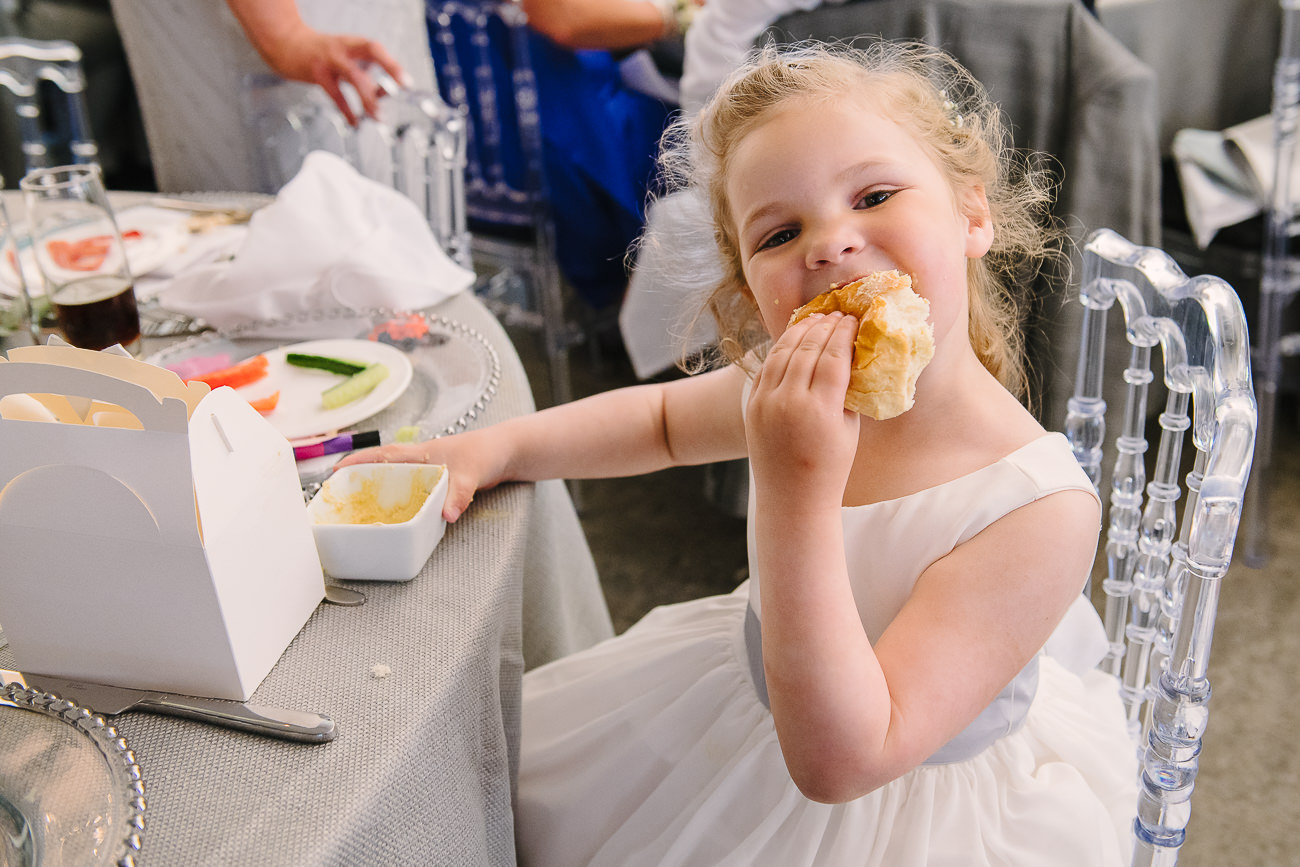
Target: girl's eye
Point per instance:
(878, 197)
(778, 238)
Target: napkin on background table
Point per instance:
(677, 265)
(212, 245)
(332, 238)
(1227, 177)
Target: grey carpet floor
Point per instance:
(659, 539)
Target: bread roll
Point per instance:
(895, 342)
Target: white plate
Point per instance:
(162, 235)
(299, 412)
(456, 369)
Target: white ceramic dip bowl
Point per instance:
(379, 522)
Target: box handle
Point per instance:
(169, 414)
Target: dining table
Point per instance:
(422, 681)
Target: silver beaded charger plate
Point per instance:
(455, 370)
(71, 793)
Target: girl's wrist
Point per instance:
(798, 507)
(516, 450)
(809, 488)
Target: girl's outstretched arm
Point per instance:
(623, 432)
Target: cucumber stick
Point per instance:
(325, 362)
(355, 386)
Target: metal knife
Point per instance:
(274, 722)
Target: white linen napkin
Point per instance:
(662, 319)
(1227, 177)
(215, 245)
(332, 238)
(1217, 192)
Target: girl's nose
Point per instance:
(832, 245)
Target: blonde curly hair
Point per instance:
(943, 107)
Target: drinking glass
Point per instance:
(81, 257)
(16, 315)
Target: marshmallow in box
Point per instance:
(152, 533)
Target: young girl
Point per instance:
(877, 692)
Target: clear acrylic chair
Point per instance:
(482, 62)
(1166, 555)
(416, 146)
(62, 135)
(1280, 278)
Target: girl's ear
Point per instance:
(979, 222)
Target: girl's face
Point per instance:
(824, 192)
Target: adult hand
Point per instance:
(299, 52)
(329, 60)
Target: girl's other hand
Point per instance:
(801, 439)
(464, 460)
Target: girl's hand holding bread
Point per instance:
(801, 439)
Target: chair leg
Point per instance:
(1276, 291)
(561, 375)
(557, 338)
(1258, 489)
(556, 330)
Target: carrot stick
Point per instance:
(265, 404)
(250, 370)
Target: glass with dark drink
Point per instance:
(97, 312)
(81, 256)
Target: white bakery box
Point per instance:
(153, 535)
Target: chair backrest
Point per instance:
(1165, 560)
(483, 65)
(482, 62)
(1279, 281)
(416, 146)
(62, 135)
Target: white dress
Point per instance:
(656, 747)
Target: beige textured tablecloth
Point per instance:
(422, 768)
